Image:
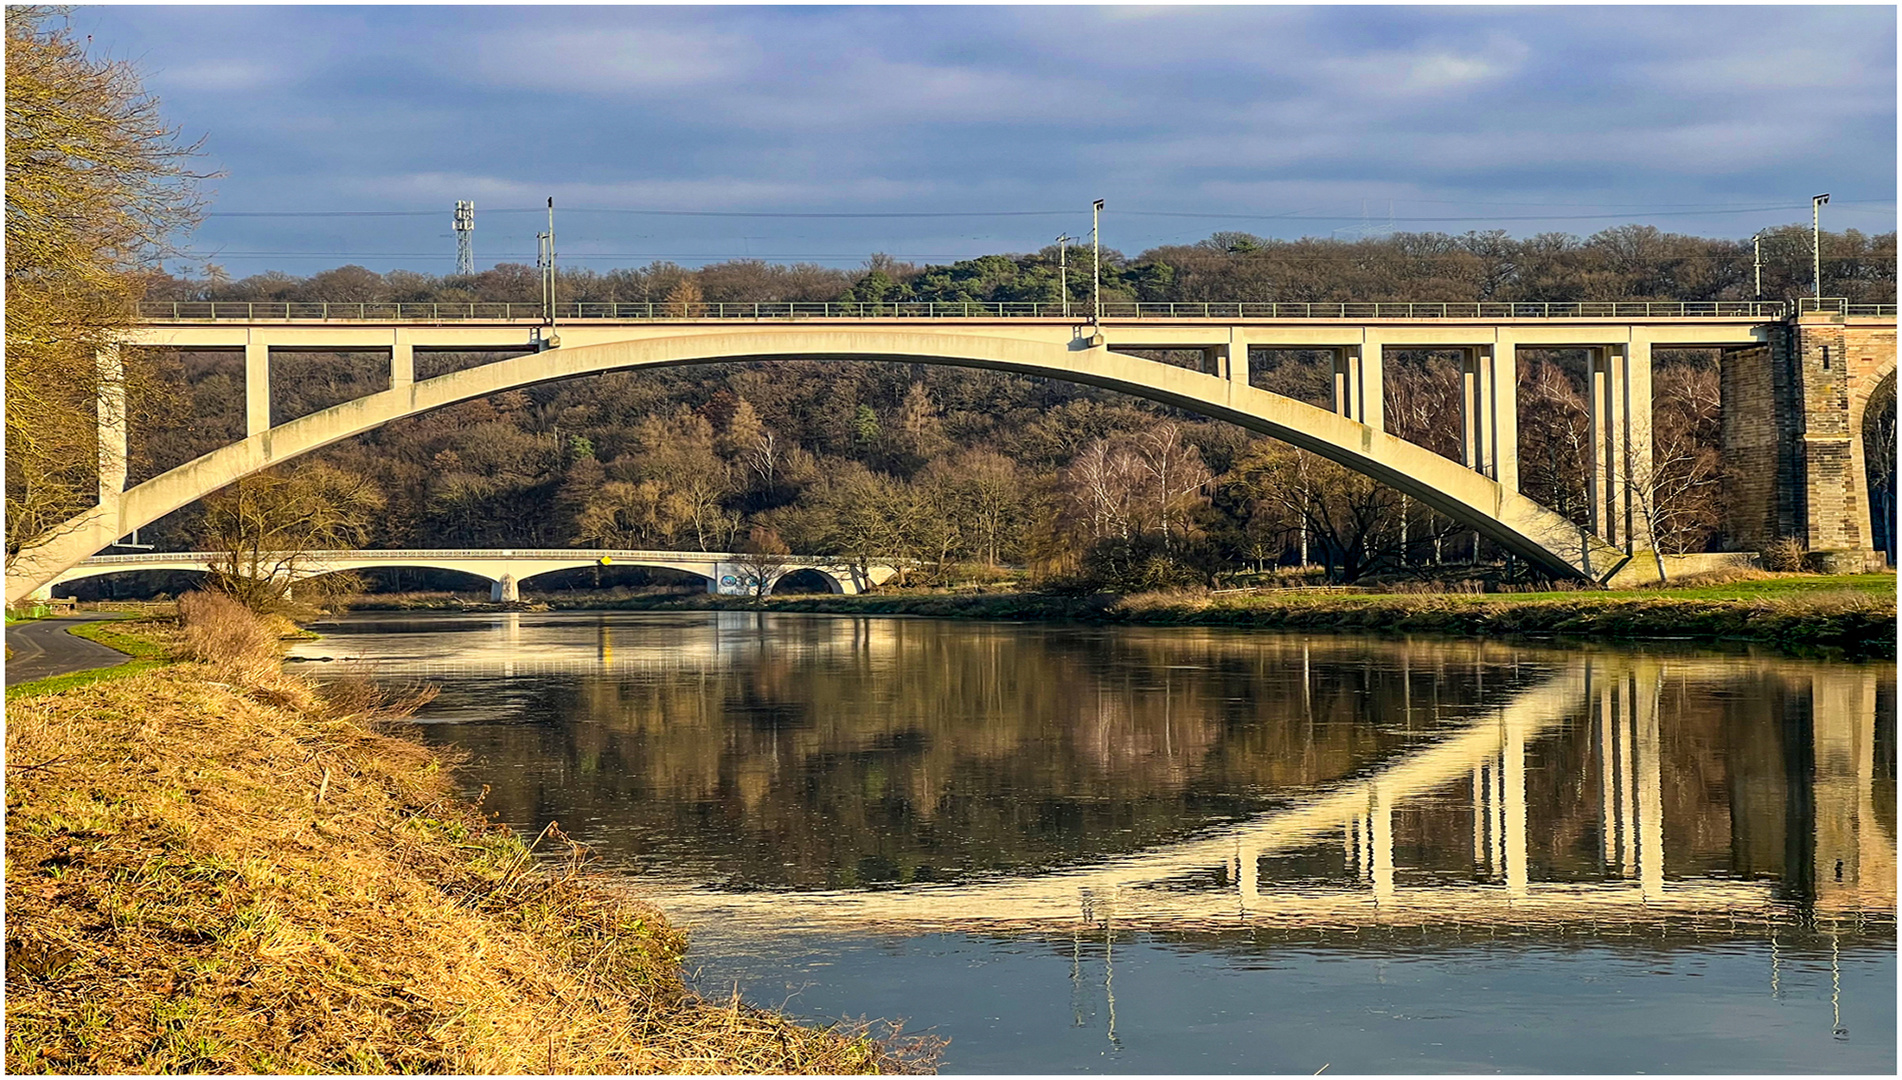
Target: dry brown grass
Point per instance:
(1723, 575)
(216, 629)
(1786, 555)
(209, 874)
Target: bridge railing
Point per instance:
(1838, 305)
(402, 554)
(249, 311)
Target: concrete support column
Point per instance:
(112, 424)
(257, 387)
(402, 361)
(1504, 359)
(1358, 382)
(1344, 393)
(1372, 383)
(1639, 442)
(1236, 368)
(1620, 408)
(1489, 412)
(1474, 396)
(505, 590)
(1605, 479)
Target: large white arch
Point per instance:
(1506, 517)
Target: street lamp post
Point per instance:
(1816, 238)
(1756, 259)
(1063, 271)
(1096, 261)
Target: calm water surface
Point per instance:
(1190, 850)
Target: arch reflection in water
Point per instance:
(835, 771)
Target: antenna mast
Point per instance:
(465, 238)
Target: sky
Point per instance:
(697, 134)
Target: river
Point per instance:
(1131, 849)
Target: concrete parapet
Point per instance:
(1643, 567)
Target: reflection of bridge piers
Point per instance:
(1604, 715)
(1624, 716)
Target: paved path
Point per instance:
(43, 648)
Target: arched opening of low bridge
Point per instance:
(159, 584)
(632, 577)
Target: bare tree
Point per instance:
(96, 187)
(266, 531)
(762, 563)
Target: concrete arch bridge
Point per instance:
(507, 568)
(1806, 478)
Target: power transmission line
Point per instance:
(1645, 210)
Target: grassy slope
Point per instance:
(210, 873)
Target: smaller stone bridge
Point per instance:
(506, 568)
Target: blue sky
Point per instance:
(1290, 121)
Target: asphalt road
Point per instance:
(43, 648)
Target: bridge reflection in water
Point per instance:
(1641, 762)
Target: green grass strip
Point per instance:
(114, 635)
(72, 680)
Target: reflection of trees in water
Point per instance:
(842, 752)
(921, 750)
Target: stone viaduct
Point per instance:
(506, 569)
(1795, 385)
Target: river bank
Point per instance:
(214, 867)
(1855, 613)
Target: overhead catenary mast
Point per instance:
(465, 237)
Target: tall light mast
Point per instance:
(545, 258)
(1756, 258)
(465, 237)
(1096, 261)
(1063, 271)
(1816, 238)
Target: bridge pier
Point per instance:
(1631, 777)
(1792, 434)
(1359, 382)
(1489, 412)
(505, 590)
(1620, 471)
(402, 360)
(257, 387)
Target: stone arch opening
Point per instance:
(419, 579)
(629, 576)
(1879, 465)
(130, 585)
(805, 582)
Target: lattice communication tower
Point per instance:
(465, 237)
